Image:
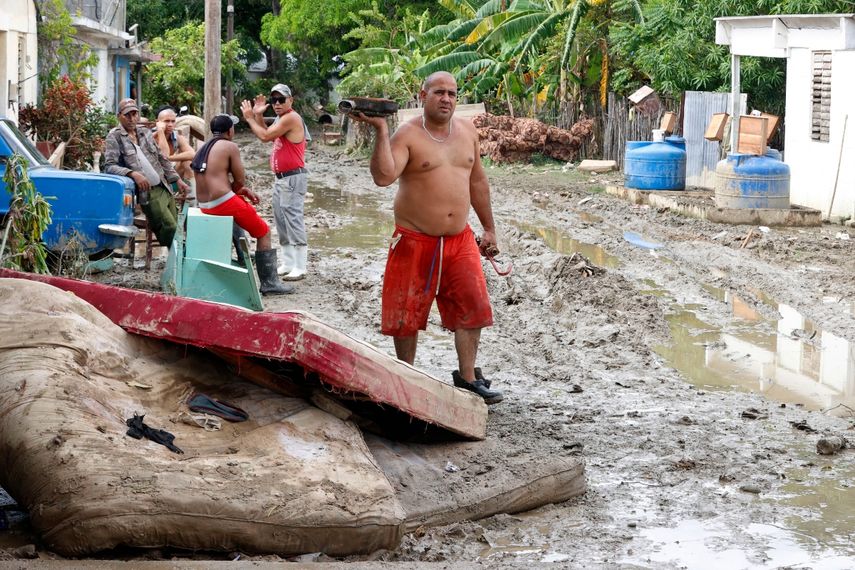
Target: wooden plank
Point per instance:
(341, 362)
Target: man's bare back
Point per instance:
(223, 159)
(433, 195)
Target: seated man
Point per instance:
(220, 196)
(174, 145)
(132, 152)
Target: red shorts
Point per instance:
(244, 214)
(417, 263)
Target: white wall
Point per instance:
(102, 76)
(814, 165)
(18, 21)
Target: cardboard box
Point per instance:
(668, 122)
(753, 133)
(715, 130)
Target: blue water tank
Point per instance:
(751, 181)
(774, 153)
(655, 165)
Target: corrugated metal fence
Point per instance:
(702, 155)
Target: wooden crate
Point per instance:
(715, 130)
(668, 122)
(753, 132)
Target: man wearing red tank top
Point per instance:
(288, 165)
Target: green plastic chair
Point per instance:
(200, 264)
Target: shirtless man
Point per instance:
(220, 196)
(434, 254)
(174, 145)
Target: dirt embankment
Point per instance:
(574, 349)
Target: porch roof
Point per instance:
(774, 35)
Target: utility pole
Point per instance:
(213, 50)
(230, 34)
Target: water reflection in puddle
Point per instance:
(828, 501)
(714, 545)
(361, 221)
(787, 360)
(559, 241)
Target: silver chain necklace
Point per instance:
(433, 138)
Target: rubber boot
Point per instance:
(287, 265)
(300, 257)
(265, 263)
(237, 233)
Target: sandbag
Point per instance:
(292, 479)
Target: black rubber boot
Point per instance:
(490, 396)
(459, 381)
(237, 233)
(265, 264)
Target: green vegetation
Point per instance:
(68, 114)
(552, 59)
(178, 78)
(674, 48)
(28, 218)
(59, 54)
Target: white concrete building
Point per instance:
(18, 56)
(819, 139)
(100, 24)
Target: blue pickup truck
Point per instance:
(96, 209)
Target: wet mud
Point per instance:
(645, 368)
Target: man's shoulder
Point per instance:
(406, 129)
(116, 132)
(221, 146)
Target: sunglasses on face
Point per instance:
(279, 100)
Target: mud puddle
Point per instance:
(560, 242)
(709, 544)
(791, 361)
(788, 360)
(347, 220)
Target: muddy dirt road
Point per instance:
(695, 378)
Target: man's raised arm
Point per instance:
(390, 154)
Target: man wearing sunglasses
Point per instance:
(132, 152)
(287, 161)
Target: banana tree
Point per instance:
(523, 35)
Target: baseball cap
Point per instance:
(282, 89)
(127, 105)
(222, 123)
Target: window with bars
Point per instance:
(820, 122)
